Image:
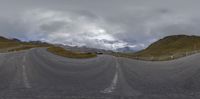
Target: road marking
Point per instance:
(113, 85)
(25, 78)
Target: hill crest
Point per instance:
(174, 46)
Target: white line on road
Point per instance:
(113, 85)
(25, 78)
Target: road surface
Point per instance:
(38, 74)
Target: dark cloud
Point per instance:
(53, 26)
(108, 24)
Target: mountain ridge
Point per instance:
(173, 46)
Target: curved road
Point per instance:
(38, 74)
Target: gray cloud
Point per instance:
(108, 24)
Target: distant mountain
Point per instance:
(85, 49)
(3, 39)
(172, 46)
(38, 42)
(13, 44)
(7, 43)
(126, 49)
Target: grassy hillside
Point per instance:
(66, 53)
(9, 45)
(170, 47)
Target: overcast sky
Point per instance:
(108, 24)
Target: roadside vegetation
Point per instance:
(168, 48)
(24, 47)
(10, 45)
(66, 53)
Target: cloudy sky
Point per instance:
(108, 24)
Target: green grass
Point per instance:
(9, 45)
(19, 48)
(66, 53)
(168, 48)
(24, 47)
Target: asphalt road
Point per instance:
(38, 74)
